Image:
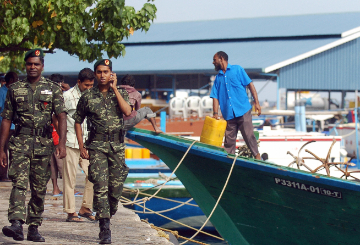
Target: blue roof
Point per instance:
(188, 47)
(191, 58)
(282, 26)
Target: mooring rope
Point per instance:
(217, 202)
(162, 198)
(347, 135)
(145, 199)
(166, 210)
(177, 222)
(175, 233)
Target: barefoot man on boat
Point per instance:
(229, 91)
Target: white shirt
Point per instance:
(71, 98)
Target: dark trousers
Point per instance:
(244, 124)
(36, 170)
(108, 172)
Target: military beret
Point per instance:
(104, 62)
(37, 52)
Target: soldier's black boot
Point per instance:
(34, 235)
(105, 233)
(15, 230)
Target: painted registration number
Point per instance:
(308, 188)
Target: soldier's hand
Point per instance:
(84, 153)
(113, 80)
(3, 159)
(60, 151)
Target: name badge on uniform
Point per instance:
(46, 92)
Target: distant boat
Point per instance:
(263, 203)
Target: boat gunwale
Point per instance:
(219, 154)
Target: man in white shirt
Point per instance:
(85, 81)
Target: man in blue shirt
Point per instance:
(10, 78)
(229, 91)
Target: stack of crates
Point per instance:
(137, 153)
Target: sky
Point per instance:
(194, 10)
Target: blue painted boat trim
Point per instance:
(150, 170)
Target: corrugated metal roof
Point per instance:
(335, 69)
(266, 27)
(191, 58)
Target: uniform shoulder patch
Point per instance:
(17, 84)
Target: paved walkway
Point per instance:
(126, 226)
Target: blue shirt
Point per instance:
(3, 92)
(230, 90)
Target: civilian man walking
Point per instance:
(85, 81)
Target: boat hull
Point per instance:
(263, 203)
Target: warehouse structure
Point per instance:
(308, 52)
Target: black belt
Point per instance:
(43, 132)
(108, 137)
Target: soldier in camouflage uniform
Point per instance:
(30, 104)
(104, 107)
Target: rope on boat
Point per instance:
(155, 185)
(166, 210)
(145, 199)
(177, 222)
(163, 198)
(244, 150)
(217, 202)
(175, 233)
(347, 135)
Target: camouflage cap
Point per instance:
(104, 62)
(37, 52)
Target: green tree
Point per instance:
(85, 28)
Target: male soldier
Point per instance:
(30, 104)
(104, 106)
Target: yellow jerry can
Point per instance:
(136, 153)
(213, 131)
(128, 153)
(145, 153)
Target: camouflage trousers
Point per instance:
(24, 169)
(108, 172)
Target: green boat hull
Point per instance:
(263, 203)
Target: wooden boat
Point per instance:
(263, 203)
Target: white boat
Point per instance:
(347, 131)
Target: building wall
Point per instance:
(334, 69)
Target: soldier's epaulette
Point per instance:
(15, 84)
(120, 88)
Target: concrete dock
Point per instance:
(126, 227)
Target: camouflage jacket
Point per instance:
(104, 114)
(33, 109)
